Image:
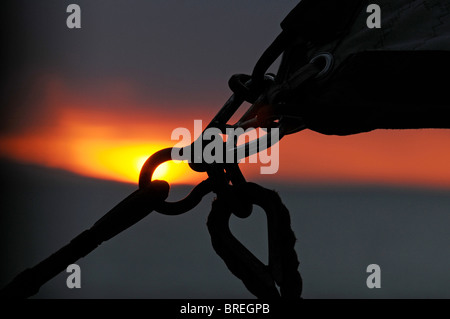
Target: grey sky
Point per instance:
(169, 48)
(167, 51)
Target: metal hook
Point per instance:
(325, 60)
(181, 206)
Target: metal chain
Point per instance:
(226, 180)
(282, 270)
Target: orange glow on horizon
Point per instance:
(110, 137)
(95, 143)
(98, 158)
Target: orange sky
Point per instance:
(110, 136)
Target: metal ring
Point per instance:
(241, 85)
(282, 268)
(328, 59)
(181, 206)
(151, 164)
